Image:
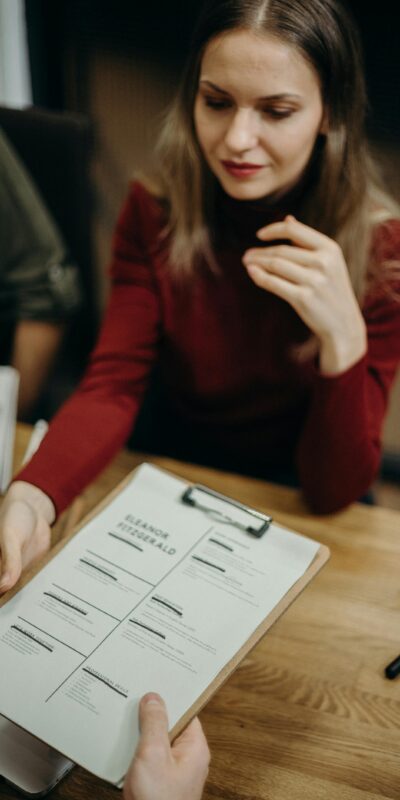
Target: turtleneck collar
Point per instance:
(237, 221)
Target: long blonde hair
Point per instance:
(347, 199)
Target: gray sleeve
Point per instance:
(38, 280)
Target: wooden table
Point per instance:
(309, 714)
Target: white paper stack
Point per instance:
(9, 381)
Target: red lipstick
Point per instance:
(241, 169)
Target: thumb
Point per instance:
(17, 524)
(11, 563)
(153, 721)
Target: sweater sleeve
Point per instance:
(95, 422)
(38, 279)
(339, 451)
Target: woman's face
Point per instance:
(258, 112)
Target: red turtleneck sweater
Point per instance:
(225, 347)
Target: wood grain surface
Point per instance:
(309, 713)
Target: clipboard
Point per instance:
(258, 527)
(205, 501)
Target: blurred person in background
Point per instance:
(39, 286)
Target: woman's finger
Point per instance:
(290, 228)
(307, 258)
(294, 273)
(273, 283)
(11, 562)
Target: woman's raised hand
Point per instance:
(312, 276)
(25, 518)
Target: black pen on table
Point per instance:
(393, 669)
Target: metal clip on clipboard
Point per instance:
(214, 504)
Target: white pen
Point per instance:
(40, 429)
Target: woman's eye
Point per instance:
(216, 104)
(278, 113)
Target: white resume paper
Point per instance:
(150, 595)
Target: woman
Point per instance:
(257, 267)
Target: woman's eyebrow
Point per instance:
(273, 97)
(205, 82)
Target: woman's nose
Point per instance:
(242, 133)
